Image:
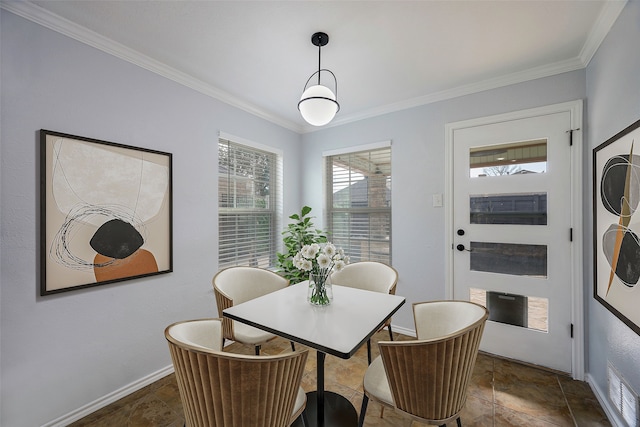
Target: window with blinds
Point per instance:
(249, 205)
(359, 203)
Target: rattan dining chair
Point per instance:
(220, 389)
(371, 276)
(235, 285)
(427, 378)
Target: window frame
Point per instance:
(230, 234)
(331, 211)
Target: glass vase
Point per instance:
(320, 291)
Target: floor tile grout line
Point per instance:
(128, 413)
(566, 401)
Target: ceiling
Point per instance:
(386, 55)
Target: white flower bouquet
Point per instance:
(319, 261)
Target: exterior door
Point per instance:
(512, 234)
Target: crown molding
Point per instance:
(605, 21)
(41, 16)
(34, 13)
(599, 31)
(494, 83)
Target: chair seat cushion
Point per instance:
(301, 400)
(376, 384)
(250, 335)
(203, 334)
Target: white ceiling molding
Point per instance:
(607, 18)
(77, 32)
(502, 81)
(41, 16)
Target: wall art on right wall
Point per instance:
(616, 225)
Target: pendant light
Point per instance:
(318, 104)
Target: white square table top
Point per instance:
(338, 329)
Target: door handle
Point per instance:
(461, 248)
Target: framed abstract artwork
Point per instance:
(105, 212)
(616, 225)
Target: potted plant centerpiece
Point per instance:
(299, 233)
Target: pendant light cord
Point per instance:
(319, 47)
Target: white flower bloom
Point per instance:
(329, 250)
(315, 257)
(324, 261)
(302, 250)
(306, 265)
(306, 252)
(314, 248)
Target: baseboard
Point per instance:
(100, 403)
(109, 398)
(610, 412)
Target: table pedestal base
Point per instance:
(338, 411)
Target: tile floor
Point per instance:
(502, 393)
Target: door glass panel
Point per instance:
(515, 158)
(509, 258)
(522, 209)
(517, 310)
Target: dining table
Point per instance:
(338, 329)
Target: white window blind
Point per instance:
(359, 203)
(249, 205)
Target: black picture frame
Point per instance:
(616, 225)
(106, 212)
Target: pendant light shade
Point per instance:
(318, 104)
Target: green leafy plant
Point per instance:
(299, 233)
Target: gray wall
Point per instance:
(418, 158)
(613, 93)
(64, 351)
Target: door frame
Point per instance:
(577, 209)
